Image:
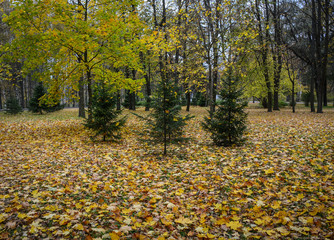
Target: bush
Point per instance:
(13, 105)
(282, 104)
(141, 103)
(306, 97)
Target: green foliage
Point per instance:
(13, 105)
(165, 123)
(68, 40)
(35, 103)
(55, 108)
(291, 104)
(141, 103)
(228, 124)
(105, 118)
(199, 99)
(282, 104)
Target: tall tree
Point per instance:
(308, 35)
(263, 38)
(277, 50)
(78, 37)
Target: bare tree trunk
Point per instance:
(133, 94)
(147, 76)
(148, 89)
(81, 98)
(277, 53)
(188, 100)
(90, 93)
(0, 97)
(22, 92)
(264, 51)
(319, 79)
(325, 53)
(118, 103)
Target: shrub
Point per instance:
(228, 123)
(13, 105)
(104, 118)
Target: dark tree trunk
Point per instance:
(0, 97)
(263, 39)
(133, 94)
(213, 66)
(147, 76)
(188, 100)
(81, 98)
(118, 103)
(163, 72)
(148, 89)
(325, 54)
(277, 53)
(319, 78)
(293, 97)
(292, 80)
(90, 93)
(312, 90)
(22, 92)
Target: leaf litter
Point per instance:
(55, 183)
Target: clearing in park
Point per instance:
(56, 183)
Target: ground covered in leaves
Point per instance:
(56, 183)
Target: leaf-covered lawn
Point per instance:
(55, 183)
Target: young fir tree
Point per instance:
(228, 123)
(35, 104)
(13, 105)
(165, 123)
(104, 118)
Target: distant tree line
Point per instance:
(271, 48)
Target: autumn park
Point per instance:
(166, 119)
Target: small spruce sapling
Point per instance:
(165, 124)
(228, 123)
(105, 120)
(13, 105)
(35, 104)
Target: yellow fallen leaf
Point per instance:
(269, 171)
(210, 235)
(276, 204)
(283, 231)
(259, 221)
(78, 227)
(234, 225)
(183, 220)
(166, 222)
(113, 236)
(221, 221)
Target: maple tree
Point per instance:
(76, 37)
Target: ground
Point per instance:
(56, 183)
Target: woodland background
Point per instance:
(275, 49)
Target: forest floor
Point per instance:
(56, 183)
